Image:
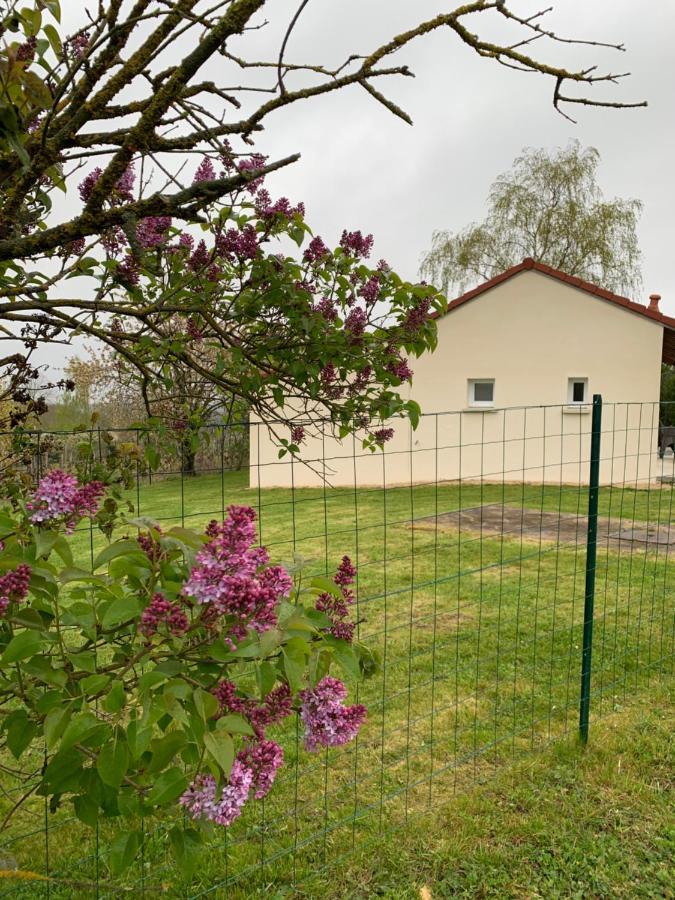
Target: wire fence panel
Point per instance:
(470, 538)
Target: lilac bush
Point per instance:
(142, 709)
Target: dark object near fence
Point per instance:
(666, 439)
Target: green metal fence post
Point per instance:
(591, 552)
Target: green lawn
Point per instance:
(479, 638)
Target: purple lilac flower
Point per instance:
(233, 577)
(297, 434)
(125, 184)
(316, 250)
(200, 257)
(150, 546)
(59, 498)
(129, 270)
(14, 586)
(88, 184)
(262, 759)
(193, 329)
(152, 231)
(281, 207)
(354, 243)
(255, 161)
(400, 369)
(162, 611)
(382, 435)
(113, 239)
(243, 244)
(337, 608)
(205, 171)
(77, 45)
(186, 241)
(327, 308)
(371, 290)
(328, 722)
(277, 705)
(26, 52)
(418, 316)
(201, 801)
(356, 322)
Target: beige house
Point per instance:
(507, 394)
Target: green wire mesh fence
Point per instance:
(499, 553)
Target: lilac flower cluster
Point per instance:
(161, 611)
(14, 586)
(76, 46)
(418, 316)
(297, 434)
(26, 52)
(371, 290)
(150, 546)
(281, 207)
(356, 322)
(205, 171)
(316, 251)
(201, 802)
(60, 498)
(243, 244)
(234, 579)
(262, 758)
(327, 309)
(123, 188)
(328, 722)
(249, 164)
(276, 706)
(382, 435)
(152, 231)
(354, 243)
(337, 608)
(400, 369)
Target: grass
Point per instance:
(479, 637)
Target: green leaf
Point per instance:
(346, 658)
(24, 644)
(164, 749)
(52, 36)
(86, 809)
(29, 618)
(55, 724)
(44, 542)
(167, 788)
(138, 738)
(62, 547)
(92, 684)
(78, 729)
(74, 574)
(121, 610)
(115, 699)
(119, 548)
(186, 844)
(123, 851)
(220, 746)
(112, 762)
(235, 724)
(20, 732)
(266, 677)
(206, 704)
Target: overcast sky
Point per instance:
(363, 168)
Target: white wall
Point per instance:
(531, 334)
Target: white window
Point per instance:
(481, 392)
(577, 390)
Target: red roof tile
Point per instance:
(660, 318)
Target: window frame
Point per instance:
(571, 382)
(480, 404)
